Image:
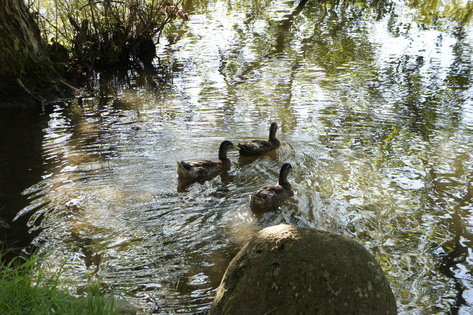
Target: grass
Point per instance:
(25, 290)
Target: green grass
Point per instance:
(25, 290)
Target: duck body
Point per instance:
(269, 197)
(201, 169)
(260, 147)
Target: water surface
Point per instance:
(374, 104)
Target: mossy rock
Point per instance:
(293, 270)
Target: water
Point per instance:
(375, 114)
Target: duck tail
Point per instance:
(243, 148)
(182, 165)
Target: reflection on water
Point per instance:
(375, 117)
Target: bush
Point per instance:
(104, 33)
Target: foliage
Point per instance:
(428, 12)
(26, 291)
(103, 33)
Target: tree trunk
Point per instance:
(25, 66)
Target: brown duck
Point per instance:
(270, 196)
(260, 147)
(202, 169)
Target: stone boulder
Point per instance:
(293, 270)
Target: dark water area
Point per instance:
(21, 165)
(375, 106)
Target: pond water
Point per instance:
(375, 112)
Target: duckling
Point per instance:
(270, 196)
(202, 169)
(260, 147)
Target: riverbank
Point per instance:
(25, 289)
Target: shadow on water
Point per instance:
(21, 158)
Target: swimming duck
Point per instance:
(260, 147)
(201, 169)
(270, 196)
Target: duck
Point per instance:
(196, 170)
(269, 197)
(260, 147)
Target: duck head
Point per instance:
(285, 169)
(272, 131)
(225, 146)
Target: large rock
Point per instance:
(292, 270)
